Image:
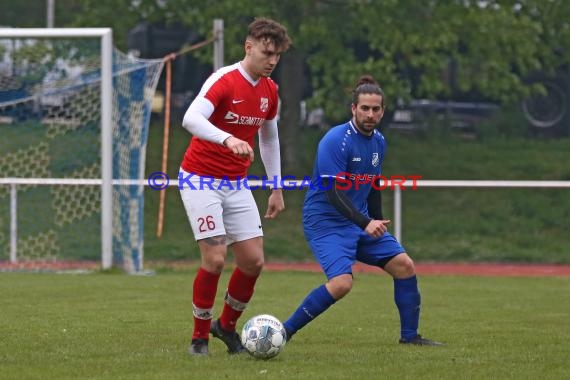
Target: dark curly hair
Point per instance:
(267, 30)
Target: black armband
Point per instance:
(375, 202)
(343, 204)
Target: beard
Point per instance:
(366, 126)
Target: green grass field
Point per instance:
(111, 326)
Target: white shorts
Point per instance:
(223, 210)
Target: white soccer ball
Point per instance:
(263, 336)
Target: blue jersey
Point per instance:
(354, 159)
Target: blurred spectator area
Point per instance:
(188, 73)
(549, 111)
(546, 112)
(420, 114)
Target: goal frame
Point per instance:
(106, 37)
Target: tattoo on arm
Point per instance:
(216, 240)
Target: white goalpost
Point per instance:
(74, 118)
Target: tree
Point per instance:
(415, 49)
(427, 49)
(436, 48)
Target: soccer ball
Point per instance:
(263, 336)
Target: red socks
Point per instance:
(205, 287)
(240, 291)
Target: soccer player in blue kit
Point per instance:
(342, 217)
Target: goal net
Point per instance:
(58, 160)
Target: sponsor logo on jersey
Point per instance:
(234, 118)
(356, 159)
(364, 178)
(264, 105)
(236, 101)
(346, 181)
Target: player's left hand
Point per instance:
(377, 228)
(275, 204)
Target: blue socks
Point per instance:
(406, 295)
(316, 302)
(408, 300)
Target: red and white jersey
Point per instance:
(241, 106)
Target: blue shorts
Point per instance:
(337, 251)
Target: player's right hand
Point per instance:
(239, 147)
(376, 228)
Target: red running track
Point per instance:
(458, 269)
(448, 269)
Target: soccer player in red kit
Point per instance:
(234, 104)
